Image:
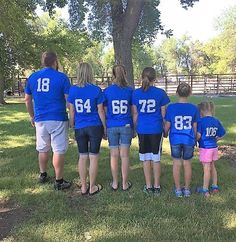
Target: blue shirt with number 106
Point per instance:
(210, 128)
(181, 117)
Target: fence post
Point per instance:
(166, 84)
(191, 81)
(205, 82)
(218, 84)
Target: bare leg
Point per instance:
(124, 155)
(156, 173)
(147, 173)
(93, 170)
(114, 166)
(214, 173)
(58, 163)
(176, 173)
(206, 175)
(43, 161)
(187, 173)
(82, 166)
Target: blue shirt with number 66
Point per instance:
(85, 100)
(181, 117)
(118, 103)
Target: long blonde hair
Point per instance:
(84, 74)
(119, 75)
(148, 75)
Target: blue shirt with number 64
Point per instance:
(85, 100)
(181, 117)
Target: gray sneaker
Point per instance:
(157, 191)
(43, 179)
(148, 190)
(63, 185)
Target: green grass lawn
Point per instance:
(109, 216)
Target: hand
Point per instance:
(165, 135)
(72, 125)
(32, 122)
(134, 134)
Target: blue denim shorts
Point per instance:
(119, 136)
(89, 139)
(182, 151)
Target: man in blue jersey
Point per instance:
(45, 97)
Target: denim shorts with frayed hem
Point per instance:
(182, 151)
(119, 136)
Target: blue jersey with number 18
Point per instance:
(118, 103)
(181, 117)
(85, 100)
(48, 88)
(148, 104)
(210, 128)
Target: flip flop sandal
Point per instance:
(99, 188)
(112, 188)
(129, 186)
(85, 193)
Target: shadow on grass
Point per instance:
(110, 216)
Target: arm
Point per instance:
(29, 107)
(67, 103)
(195, 130)
(101, 113)
(166, 129)
(72, 115)
(198, 136)
(163, 111)
(134, 117)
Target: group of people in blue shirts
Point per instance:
(118, 114)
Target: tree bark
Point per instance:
(2, 101)
(124, 23)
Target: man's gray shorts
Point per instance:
(52, 134)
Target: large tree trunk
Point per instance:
(123, 55)
(2, 101)
(124, 24)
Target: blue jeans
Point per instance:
(182, 151)
(119, 136)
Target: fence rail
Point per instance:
(212, 84)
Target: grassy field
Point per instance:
(121, 216)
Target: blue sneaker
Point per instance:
(203, 191)
(178, 193)
(214, 188)
(186, 192)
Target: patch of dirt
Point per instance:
(11, 214)
(228, 153)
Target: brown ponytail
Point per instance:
(119, 75)
(148, 75)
